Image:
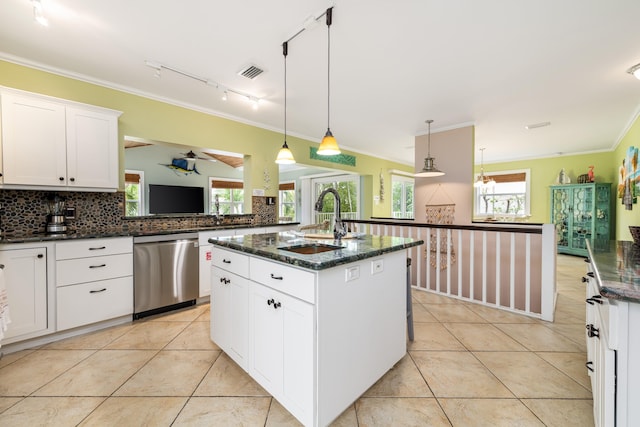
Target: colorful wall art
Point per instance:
(629, 179)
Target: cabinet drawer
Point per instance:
(81, 270)
(234, 262)
(292, 281)
(94, 302)
(93, 248)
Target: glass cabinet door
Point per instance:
(601, 221)
(560, 216)
(582, 220)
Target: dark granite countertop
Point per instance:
(618, 270)
(72, 235)
(269, 246)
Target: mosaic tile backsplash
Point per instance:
(24, 212)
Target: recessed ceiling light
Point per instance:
(537, 125)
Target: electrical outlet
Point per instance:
(69, 213)
(351, 273)
(377, 266)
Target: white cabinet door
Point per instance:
(282, 348)
(25, 272)
(33, 141)
(229, 317)
(92, 148)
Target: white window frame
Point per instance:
(231, 203)
(335, 178)
(404, 178)
(281, 202)
(141, 191)
(477, 195)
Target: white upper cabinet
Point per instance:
(49, 142)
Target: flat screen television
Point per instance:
(175, 199)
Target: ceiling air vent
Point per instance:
(251, 72)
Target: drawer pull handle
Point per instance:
(1, 266)
(588, 365)
(226, 261)
(98, 248)
(98, 291)
(98, 266)
(595, 298)
(274, 277)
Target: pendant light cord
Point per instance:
(329, 19)
(285, 51)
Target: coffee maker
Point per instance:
(55, 215)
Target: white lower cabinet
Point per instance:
(316, 340)
(94, 281)
(92, 302)
(613, 352)
(25, 275)
(229, 318)
(282, 335)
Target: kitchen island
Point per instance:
(613, 344)
(315, 322)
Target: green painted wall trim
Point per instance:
(340, 159)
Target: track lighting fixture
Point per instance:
(285, 156)
(329, 145)
(158, 67)
(429, 169)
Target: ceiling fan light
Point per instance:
(329, 145)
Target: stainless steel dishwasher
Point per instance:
(165, 273)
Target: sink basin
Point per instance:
(311, 248)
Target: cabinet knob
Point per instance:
(72, 179)
(40, 256)
(587, 260)
(589, 366)
(592, 331)
(584, 279)
(276, 305)
(590, 274)
(270, 301)
(61, 178)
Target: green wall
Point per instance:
(146, 118)
(544, 173)
(625, 218)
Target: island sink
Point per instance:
(311, 248)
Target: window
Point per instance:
(348, 188)
(230, 196)
(508, 197)
(402, 196)
(134, 192)
(287, 199)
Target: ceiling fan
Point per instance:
(190, 155)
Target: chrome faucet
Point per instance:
(339, 230)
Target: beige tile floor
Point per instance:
(468, 366)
